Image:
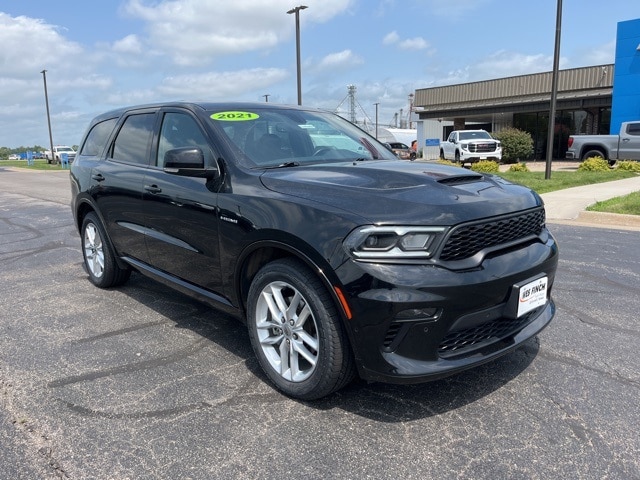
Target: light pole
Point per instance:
(46, 101)
(554, 92)
(296, 10)
(376, 104)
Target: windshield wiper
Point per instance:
(284, 165)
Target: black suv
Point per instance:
(341, 258)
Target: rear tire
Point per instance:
(592, 154)
(296, 332)
(99, 258)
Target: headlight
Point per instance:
(464, 146)
(395, 242)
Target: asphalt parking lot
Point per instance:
(141, 382)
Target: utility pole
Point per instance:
(376, 104)
(554, 92)
(266, 98)
(46, 101)
(296, 10)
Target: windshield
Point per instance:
(473, 135)
(289, 137)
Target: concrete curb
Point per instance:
(608, 219)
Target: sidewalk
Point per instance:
(568, 205)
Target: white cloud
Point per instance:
(345, 59)
(219, 85)
(30, 45)
(597, 55)
(391, 38)
(416, 43)
(130, 44)
(196, 32)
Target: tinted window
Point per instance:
(97, 138)
(268, 138)
(474, 135)
(180, 130)
(633, 129)
(134, 138)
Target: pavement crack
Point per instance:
(130, 367)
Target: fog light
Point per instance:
(414, 314)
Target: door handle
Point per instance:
(98, 177)
(626, 139)
(152, 188)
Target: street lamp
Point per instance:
(376, 104)
(554, 91)
(46, 101)
(296, 10)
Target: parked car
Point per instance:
(625, 146)
(58, 151)
(340, 258)
(402, 151)
(469, 146)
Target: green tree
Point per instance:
(516, 144)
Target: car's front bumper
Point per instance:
(471, 322)
(467, 156)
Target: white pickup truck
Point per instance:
(59, 150)
(469, 146)
(625, 146)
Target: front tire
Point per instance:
(296, 332)
(99, 259)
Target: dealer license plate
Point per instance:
(532, 295)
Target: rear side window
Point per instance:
(633, 129)
(97, 138)
(134, 138)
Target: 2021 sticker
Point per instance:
(234, 116)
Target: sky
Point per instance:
(101, 55)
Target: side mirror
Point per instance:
(187, 162)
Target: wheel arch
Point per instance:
(586, 149)
(259, 253)
(83, 207)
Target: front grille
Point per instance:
(463, 341)
(467, 240)
(482, 147)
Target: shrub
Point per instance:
(486, 166)
(448, 162)
(628, 165)
(516, 144)
(594, 164)
(519, 167)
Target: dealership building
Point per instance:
(590, 100)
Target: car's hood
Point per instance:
(394, 191)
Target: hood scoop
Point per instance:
(461, 179)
